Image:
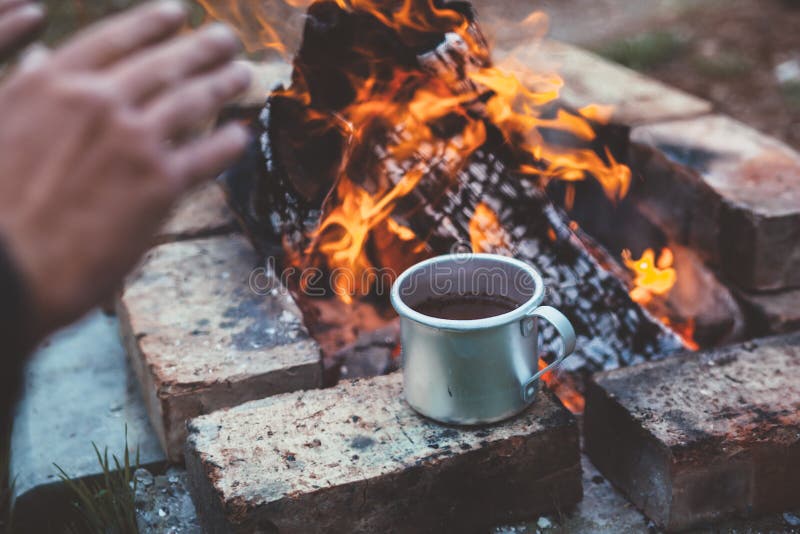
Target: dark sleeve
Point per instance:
(13, 327)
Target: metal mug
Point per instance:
(469, 372)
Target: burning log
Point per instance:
(394, 166)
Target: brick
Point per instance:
(356, 458)
(698, 296)
(200, 339)
(703, 436)
(590, 79)
(772, 313)
(201, 213)
(728, 190)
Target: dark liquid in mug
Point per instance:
(465, 307)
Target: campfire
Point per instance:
(399, 139)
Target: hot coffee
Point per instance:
(465, 307)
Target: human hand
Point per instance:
(18, 21)
(96, 145)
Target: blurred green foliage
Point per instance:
(67, 16)
(645, 50)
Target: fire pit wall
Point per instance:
(201, 340)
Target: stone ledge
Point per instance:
(590, 79)
(200, 339)
(725, 189)
(703, 436)
(356, 458)
(77, 390)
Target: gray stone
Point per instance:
(590, 79)
(201, 338)
(78, 390)
(356, 458)
(163, 503)
(201, 213)
(772, 313)
(727, 190)
(701, 437)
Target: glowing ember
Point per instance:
(651, 277)
(685, 330)
(564, 388)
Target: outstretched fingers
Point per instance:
(163, 68)
(208, 156)
(193, 103)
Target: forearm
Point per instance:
(15, 338)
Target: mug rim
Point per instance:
(404, 310)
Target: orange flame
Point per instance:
(411, 103)
(485, 232)
(657, 278)
(564, 389)
(685, 331)
(651, 277)
(255, 22)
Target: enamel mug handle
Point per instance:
(565, 331)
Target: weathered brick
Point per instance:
(201, 213)
(590, 79)
(702, 436)
(201, 339)
(772, 313)
(728, 190)
(356, 458)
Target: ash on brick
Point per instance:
(376, 466)
(703, 436)
(200, 338)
